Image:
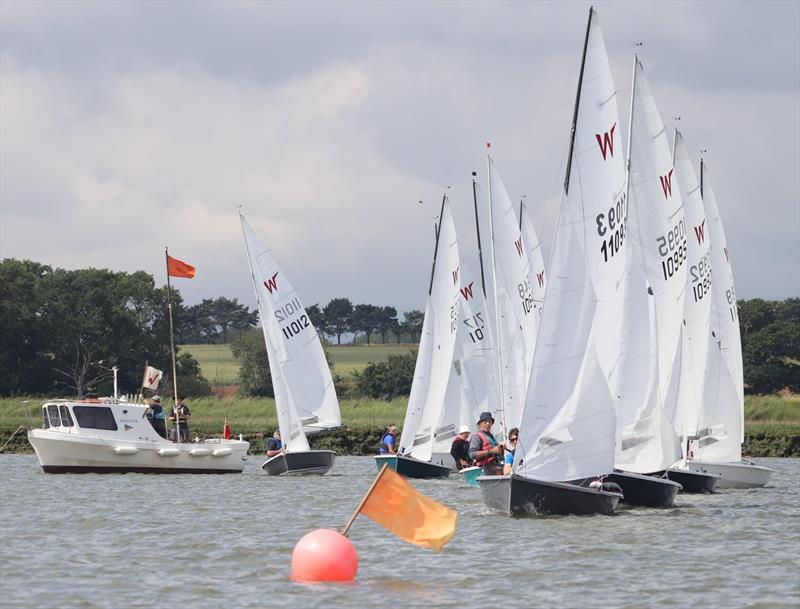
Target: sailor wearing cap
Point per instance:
(459, 450)
(483, 448)
(158, 421)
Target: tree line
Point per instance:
(62, 331)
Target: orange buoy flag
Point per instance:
(178, 268)
(399, 507)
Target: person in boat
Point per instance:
(274, 444)
(484, 450)
(156, 416)
(389, 441)
(182, 434)
(508, 460)
(459, 450)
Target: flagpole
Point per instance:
(172, 352)
(144, 378)
(364, 500)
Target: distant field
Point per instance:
(221, 368)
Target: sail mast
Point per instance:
(436, 246)
(172, 352)
(478, 231)
(630, 136)
(494, 291)
(701, 176)
(577, 101)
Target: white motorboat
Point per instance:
(112, 435)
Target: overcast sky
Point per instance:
(125, 127)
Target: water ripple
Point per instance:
(136, 540)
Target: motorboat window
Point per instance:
(66, 417)
(45, 418)
(95, 417)
(52, 414)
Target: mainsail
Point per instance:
(301, 377)
(535, 265)
(435, 356)
(656, 279)
(690, 417)
(568, 426)
(723, 393)
(515, 312)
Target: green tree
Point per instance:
(386, 322)
(412, 325)
(254, 375)
(338, 315)
(25, 359)
(772, 358)
(389, 379)
(365, 319)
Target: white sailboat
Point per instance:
(434, 361)
(536, 266)
(690, 416)
(717, 448)
(304, 390)
(568, 423)
(653, 308)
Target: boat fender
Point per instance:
(168, 452)
(199, 452)
(221, 452)
(125, 450)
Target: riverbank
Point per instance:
(772, 425)
(774, 441)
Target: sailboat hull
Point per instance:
(471, 474)
(517, 495)
(692, 482)
(647, 491)
(743, 474)
(310, 462)
(412, 468)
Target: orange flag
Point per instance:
(178, 268)
(399, 507)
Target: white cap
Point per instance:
(463, 429)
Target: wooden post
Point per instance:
(364, 500)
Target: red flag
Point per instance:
(178, 268)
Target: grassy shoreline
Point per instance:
(772, 424)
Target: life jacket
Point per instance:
(486, 444)
(384, 447)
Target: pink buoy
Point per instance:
(324, 555)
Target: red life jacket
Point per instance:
(486, 444)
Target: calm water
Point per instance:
(226, 541)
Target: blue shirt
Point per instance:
(274, 444)
(509, 459)
(388, 439)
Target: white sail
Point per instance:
(435, 357)
(655, 284)
(472, 376)
(690, 416)
(536, 268)
(723, 393)
(301, 377)
(515, 313)
(569, 426)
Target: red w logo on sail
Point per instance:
(518, 245)
(271, 284)
(666, 184)
(540, 278)
(152, 379)
(466, 291)
(700, 232)
(607, 141)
